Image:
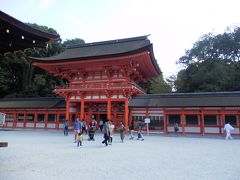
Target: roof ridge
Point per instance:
(195, 94)
(137, 38)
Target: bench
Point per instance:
(3, 144)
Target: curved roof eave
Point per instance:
(105, 49)
(100, 50)
(18, 24)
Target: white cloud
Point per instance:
(46, 3)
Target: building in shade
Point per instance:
(104, 84)
(16, 35)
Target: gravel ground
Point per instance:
(48, 155)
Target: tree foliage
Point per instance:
(18, 78)
(212, 64)
(43, 28)
(72, 42)
(158, 85)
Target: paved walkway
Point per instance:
(45, 154)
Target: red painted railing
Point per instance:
(99, 86)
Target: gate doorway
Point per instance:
(99, 117)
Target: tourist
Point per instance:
(122, 131)
(77, 127)
(101, 124)
(140, 136)
(111, 131)
(176, 128)
(65, 127)
(228, 128)
(79, 139)
(105, 131)
(131, 128)
(84, 126)
(92, 129)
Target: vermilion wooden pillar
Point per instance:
(24, 119)
(35, 119)
(182, 121)
(15, 119)
(109, 108)
(126, 114)
(90, 113)
(202, 123)
(147, 124)
(67, 109)
(57, 124)
(82, 107)
(221, 121)
(165, 122)
(238, 121)
(45, 119)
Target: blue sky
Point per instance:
(174, 25)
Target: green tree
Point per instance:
(158, 85)
(212, 64)
(72, 42)
(42, 28)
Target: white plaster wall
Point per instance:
(9, 124)
(51, 125)
(30, 125)
(19, 124)
(211, 129)
(40, 125)
(192, 129)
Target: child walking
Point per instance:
(79, 139)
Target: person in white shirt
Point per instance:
(228, 128)
(111, 131)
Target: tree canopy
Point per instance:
(18, 78)
(159, 85)
(72, 42)
(212, 64)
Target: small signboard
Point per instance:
(147, 120)
(2, 119)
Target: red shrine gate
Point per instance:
(100, 91)
(102, 77)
